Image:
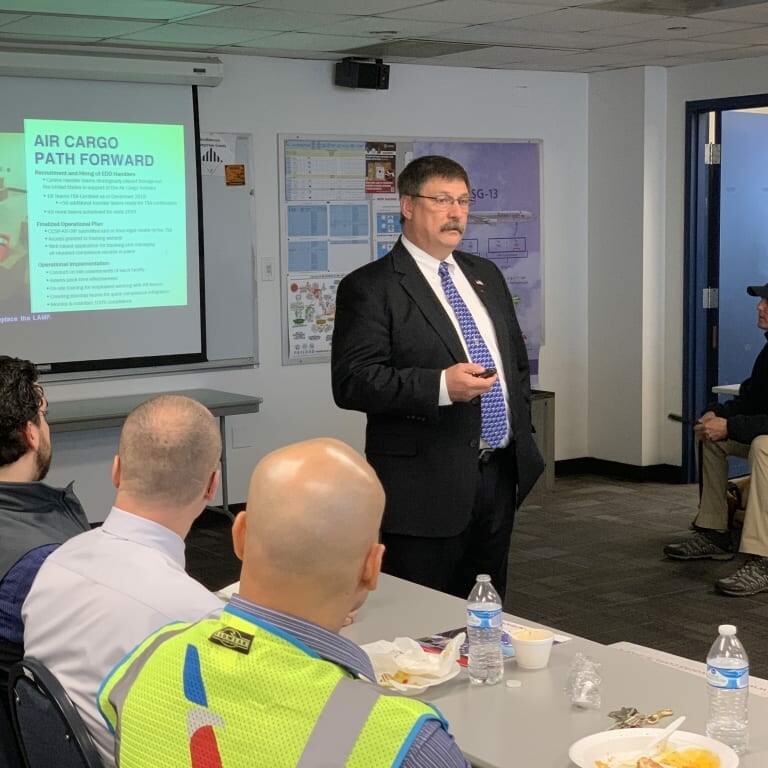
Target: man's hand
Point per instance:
(463, 383)
(711, 429)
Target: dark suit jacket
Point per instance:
(391, 341)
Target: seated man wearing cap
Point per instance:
(738, 427)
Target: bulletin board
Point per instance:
(339, 210)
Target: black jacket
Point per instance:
(391, 340)
(747, 413)
(33, 515)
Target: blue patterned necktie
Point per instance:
(493, 411)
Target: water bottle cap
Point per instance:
(727, 629)
(483, 577)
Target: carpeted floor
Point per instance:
(586, 558)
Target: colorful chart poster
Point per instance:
(505, 220)
(311, 307)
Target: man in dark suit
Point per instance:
(427, 344)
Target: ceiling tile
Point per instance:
(676, 27)
(76, 27)
(753, 36)
(467, 12)
(576, 20)
(483, 57)
(546, 5)
(189, 35)
(8, 37)
(267, 19)
(506, 35)
(223, 3)
(655, 48)
(750, 52)
(245, 49)
(7, 18)
(607, 57)
(306, 41)
(755, 14)
(135, 9)
(390, 28)
(355, 7)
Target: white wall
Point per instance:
(627, 157)
(265, 97)
(616, 194)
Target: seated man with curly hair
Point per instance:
(34, 517)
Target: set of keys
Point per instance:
(629, 717)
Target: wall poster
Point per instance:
(339, 210)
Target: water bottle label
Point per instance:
(484, 619)
(723, 677)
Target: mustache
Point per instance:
(454, 225)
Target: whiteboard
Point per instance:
(230, 304)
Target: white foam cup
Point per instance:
(532, 647)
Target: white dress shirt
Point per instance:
(99, 595)
(428, 266)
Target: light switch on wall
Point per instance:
(268, 268)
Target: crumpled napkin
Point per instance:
(404, 665)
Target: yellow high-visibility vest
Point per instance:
(239, 692)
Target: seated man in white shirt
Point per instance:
(104, 591)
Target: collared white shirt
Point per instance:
(428, 266)
(99, 595)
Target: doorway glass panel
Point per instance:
(743, 245)
(743, 239)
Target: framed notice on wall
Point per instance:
(339, 209)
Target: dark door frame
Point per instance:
(702, 263)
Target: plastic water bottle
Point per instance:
(486, 664)
(728, 684)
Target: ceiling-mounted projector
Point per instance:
(354, 73)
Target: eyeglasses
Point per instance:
(446, 201)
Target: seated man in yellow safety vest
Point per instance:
(271, 682)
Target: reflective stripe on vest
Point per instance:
(350, 703)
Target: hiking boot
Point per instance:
(750, 579)
(711, 545)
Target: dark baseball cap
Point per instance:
(758, 290)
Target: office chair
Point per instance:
(46, 722)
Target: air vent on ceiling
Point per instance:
(670, 7)
(412, 49)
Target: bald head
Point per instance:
(169, 447)
(314, 510)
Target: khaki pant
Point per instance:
(713, 509)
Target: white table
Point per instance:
(533, 726)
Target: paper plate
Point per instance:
(608, 747)
(412, 689)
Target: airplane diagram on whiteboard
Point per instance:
(496, 217)
(311, 308)
(507, 246)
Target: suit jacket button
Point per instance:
(474, 443)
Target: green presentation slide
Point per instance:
(106, 215)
